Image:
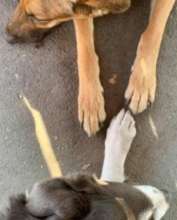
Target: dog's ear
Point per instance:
(84, 184)
(57, 199)
(17, 209)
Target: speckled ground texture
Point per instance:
(48, 78)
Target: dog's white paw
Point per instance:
(122, 130)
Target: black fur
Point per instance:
(78, 198)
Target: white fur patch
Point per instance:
(120, 135)
(160, 205)
(146, 215)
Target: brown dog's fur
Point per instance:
(32, 18)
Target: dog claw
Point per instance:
(91, 112)
(140, 90)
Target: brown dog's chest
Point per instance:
(101, 7)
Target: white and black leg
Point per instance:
(158, 199)
(119, 138)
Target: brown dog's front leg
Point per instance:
(142, 83)
(91, 110)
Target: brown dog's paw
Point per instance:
(142, 85)
(91, 111)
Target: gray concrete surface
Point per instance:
(48, 78)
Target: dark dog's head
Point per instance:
(33, 18)
(79, 198)
(84, 198)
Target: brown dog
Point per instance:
(32, 18)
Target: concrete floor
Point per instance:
(48, 78)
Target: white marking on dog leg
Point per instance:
(120, 135)
(146, 215)
(160, 205)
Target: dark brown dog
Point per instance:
(84, 198)
(87, 198)
(32, 18)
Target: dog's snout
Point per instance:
(9, 29)
(10, 36)
(11, 39)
